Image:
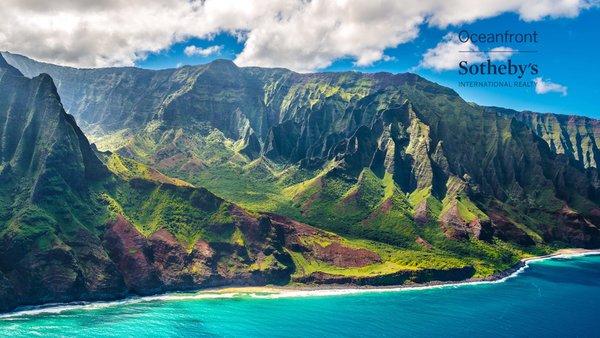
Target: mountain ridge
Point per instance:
(577, 136)
(79, 225)
(201, 122)
(216, 174)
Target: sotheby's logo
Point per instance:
(497, 60)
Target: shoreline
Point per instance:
(293, 291)
(348, 288)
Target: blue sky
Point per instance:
(567, 54)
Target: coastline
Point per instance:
(292, 291)
(331, 289)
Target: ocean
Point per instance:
(558, 297)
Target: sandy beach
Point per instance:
(564, 252)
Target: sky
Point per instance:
(419, 36)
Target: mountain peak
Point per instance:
(222, 64)
(58, 149)
(8, 68)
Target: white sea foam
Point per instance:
(267, 294)
(59, 308)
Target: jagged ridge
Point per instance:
(81, 225)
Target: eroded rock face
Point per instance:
(577, 137)
(161, 263)
(421, 213)
(508, 231)
(339, 255)
(176, 266)
(67, 271)
(578, 230)
(129, 250)
(455, 227)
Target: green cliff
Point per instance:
(78, 224)
(321, 178)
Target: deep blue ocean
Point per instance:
(559, 297)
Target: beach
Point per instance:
(292, 291)
(332, 289)
(482, 308)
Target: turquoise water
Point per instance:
(552, 298)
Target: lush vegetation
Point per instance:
(393, 171)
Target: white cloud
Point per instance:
(461, 11)
(449, 52)
(297, 34)
(545, 86)
(500, 53)
(387, 58)
(208, 51)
